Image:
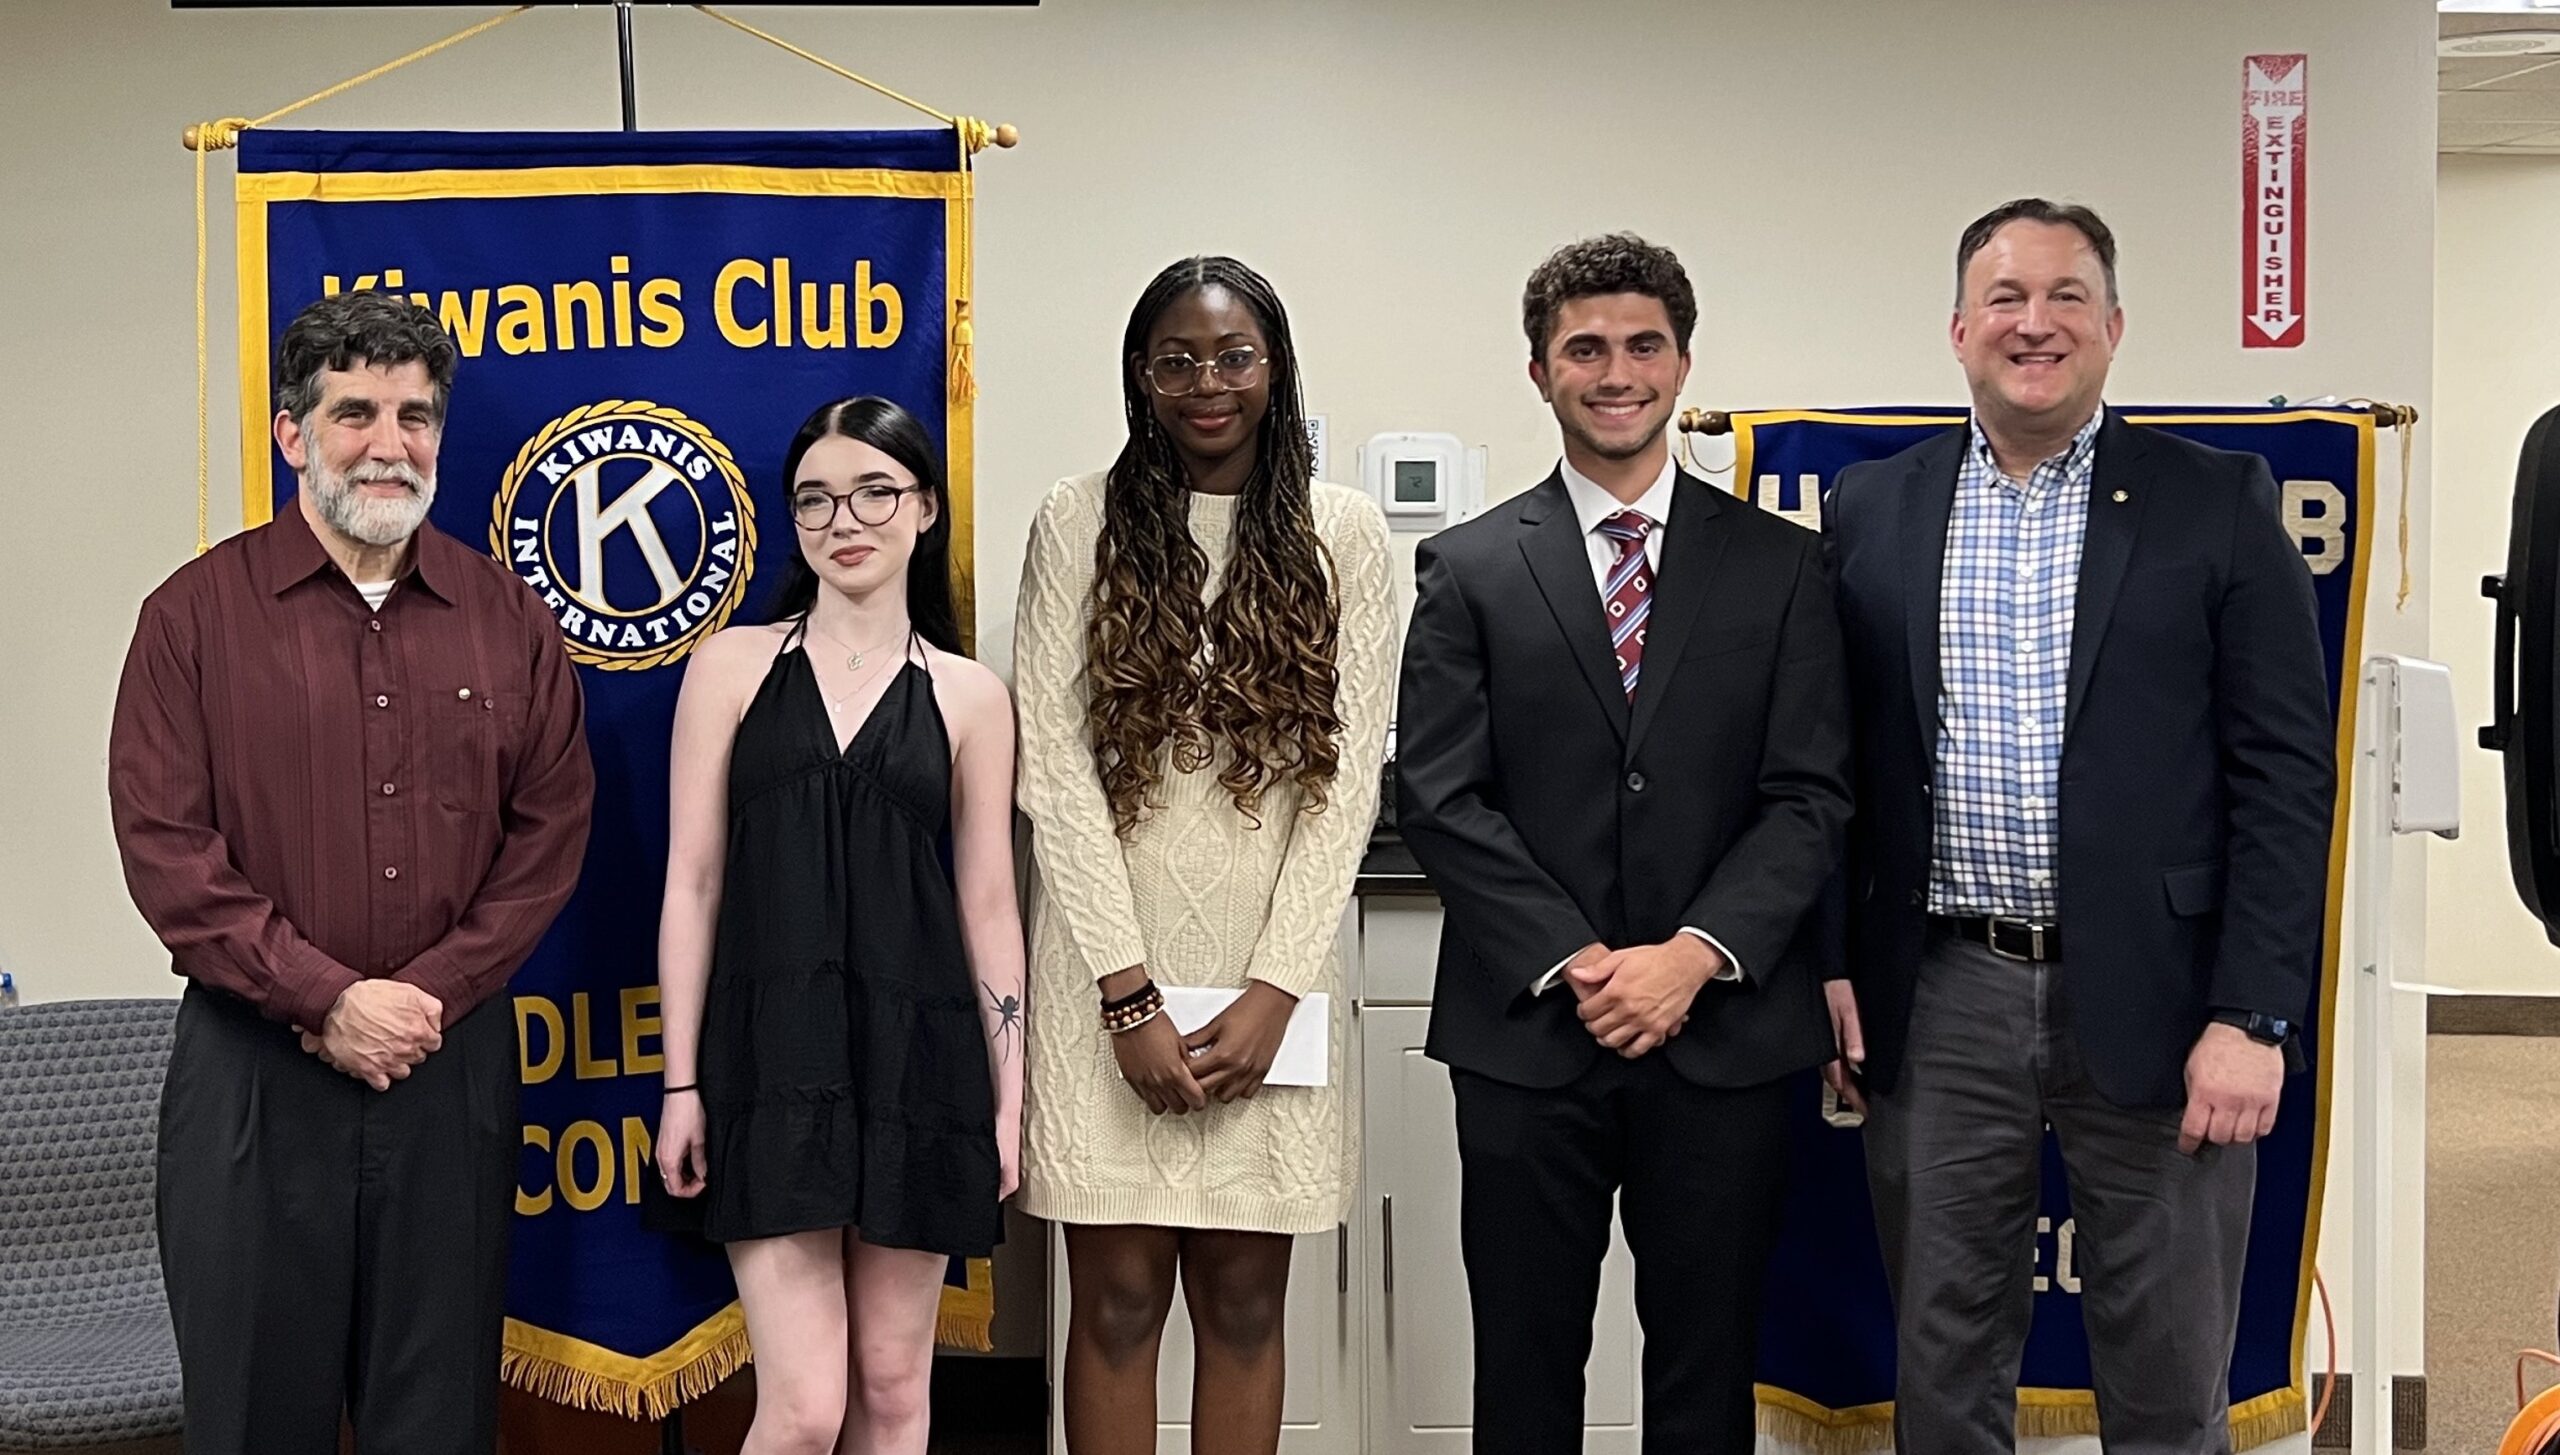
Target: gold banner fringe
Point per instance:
(2269, 1418)
(2056, 1422)
(549, 1379)
(967, 1317)
(2261, 1421)
(1838, 1436)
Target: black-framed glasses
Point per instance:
(1175, 375)
(871, 505)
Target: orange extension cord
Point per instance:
(2537, 1424)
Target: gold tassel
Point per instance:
(964, 338)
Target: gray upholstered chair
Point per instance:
(86, 1354)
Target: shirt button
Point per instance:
(390, 873)
(382, 702)
(1635, 783)
(2030, 804)
(373, 626)
(2025, 573)
(387, 790)
(464, 694)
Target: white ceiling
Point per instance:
(2506, 105)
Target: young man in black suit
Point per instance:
(1624, 756)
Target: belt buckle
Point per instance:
(2035, 939)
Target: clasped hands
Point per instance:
(1635, 999)
(1222, 1061)
(378, 1031)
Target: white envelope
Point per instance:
(1305, 1057)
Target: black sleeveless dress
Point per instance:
(843, 1063)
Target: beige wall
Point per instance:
(1395, 165)
(2497, 310)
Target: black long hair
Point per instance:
(899, 435)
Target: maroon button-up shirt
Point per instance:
(308, 792)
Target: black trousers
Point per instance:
(1698, 1175)
(331, 1247)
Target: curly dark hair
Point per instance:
(371, 325)
(2102, 239)
(1618, 263)
(1264, 687)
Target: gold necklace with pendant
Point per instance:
(856, 656)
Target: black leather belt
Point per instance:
(2010, 939)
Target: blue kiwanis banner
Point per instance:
(1826, 1365)
(643, 319)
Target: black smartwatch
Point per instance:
(2266, 1030)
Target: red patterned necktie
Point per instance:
(1629, 595)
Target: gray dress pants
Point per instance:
(1954, 1157)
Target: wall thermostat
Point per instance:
(1422, 481)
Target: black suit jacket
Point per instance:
(2198, 771)
(1549, 814)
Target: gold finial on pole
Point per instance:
(213, 136)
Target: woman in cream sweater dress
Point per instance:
(1204, 658)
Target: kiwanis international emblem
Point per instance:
(634, 526)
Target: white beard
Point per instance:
(374, 521)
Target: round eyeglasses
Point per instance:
(1175, 375)
(871, 505)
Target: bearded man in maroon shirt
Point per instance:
(350, 781)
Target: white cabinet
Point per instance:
(1381, 1361)
(1420, 1365)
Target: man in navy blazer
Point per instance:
(2094, 783)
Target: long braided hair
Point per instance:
(1171, 677)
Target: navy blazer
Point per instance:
(2198, 759)
(1550, 814)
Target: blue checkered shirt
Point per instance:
(2004, 665)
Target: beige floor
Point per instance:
(2493, 1229)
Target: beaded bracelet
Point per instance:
(1126, 1014)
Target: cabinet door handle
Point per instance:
(1342, 1257)
(1387, 1238)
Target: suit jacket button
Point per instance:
(1919, 900)
(1635, 783)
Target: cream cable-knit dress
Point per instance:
(1195, 894)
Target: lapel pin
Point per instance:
(2122, 497)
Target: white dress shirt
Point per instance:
(1592, 504)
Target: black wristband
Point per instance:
(688, 1086)
(1134, 997)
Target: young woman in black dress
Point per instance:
(840, 954)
